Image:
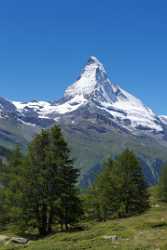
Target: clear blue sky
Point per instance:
(44, 44)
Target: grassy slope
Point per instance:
(145, 232)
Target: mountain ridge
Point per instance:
(93, 86)
(98, 118)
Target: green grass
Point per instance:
(144, 232)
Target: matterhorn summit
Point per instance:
(88, 80)
(94, 93)
(93, 83)
(93, 87)
(93, 77)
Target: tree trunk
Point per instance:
(43, 224)
(66, 227)
(49, 221)
(61, 226)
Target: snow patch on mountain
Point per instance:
(129, 107)
(36, 106)
(46, 109)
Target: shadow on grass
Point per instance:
(159, 225)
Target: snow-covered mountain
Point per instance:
(97, 117)
(94, 88)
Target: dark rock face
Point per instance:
(43, 123)
(7, 106)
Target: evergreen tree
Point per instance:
(134, 196)
(40, 188)
(11, 184)
(102, 192)
(37, 191)
(120, 190)
(69, 207)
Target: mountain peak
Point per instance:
(94, 60)
(93, 64)
(92, 75)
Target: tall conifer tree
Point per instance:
(121, 190)
(41, 186)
